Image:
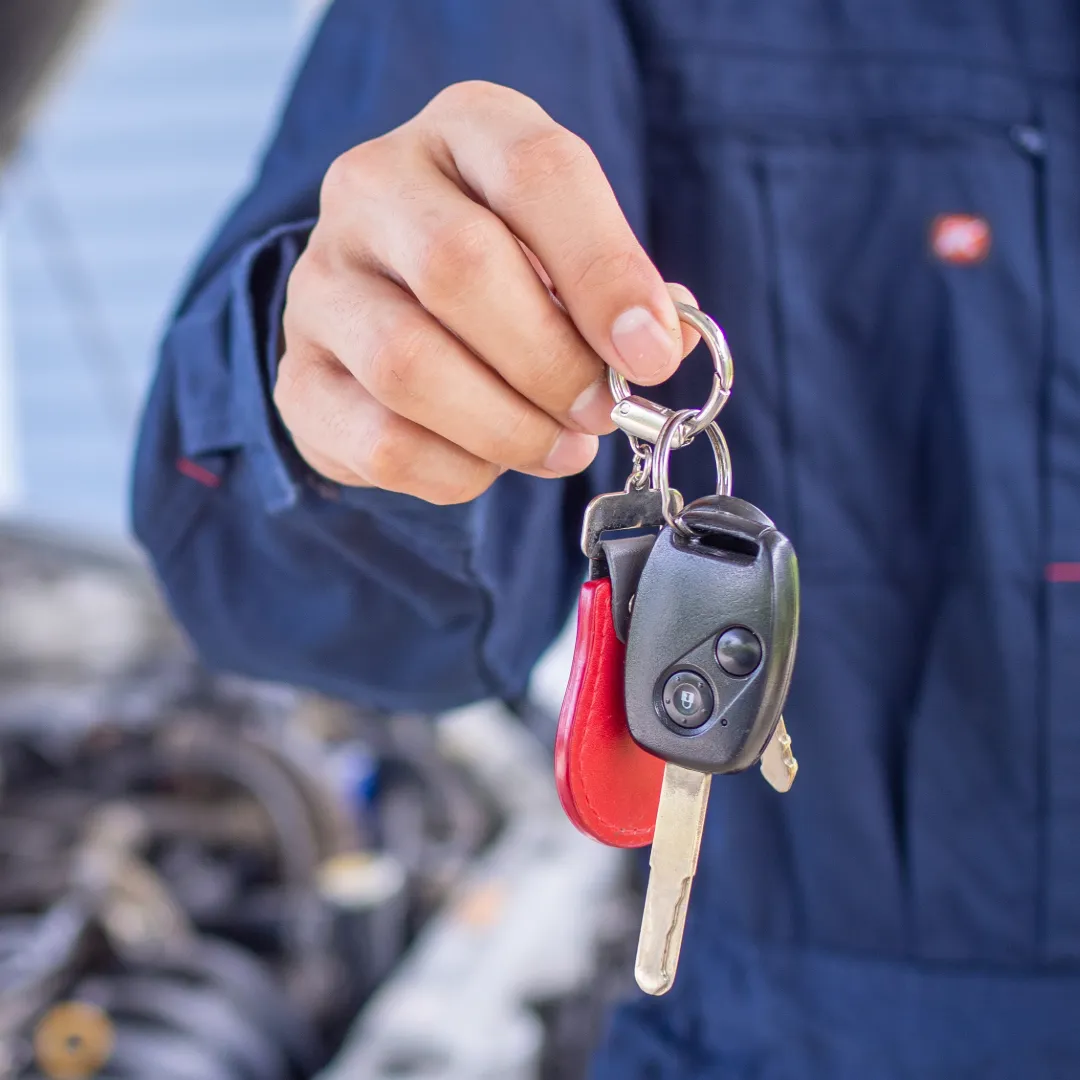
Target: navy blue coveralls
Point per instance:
(912, 908)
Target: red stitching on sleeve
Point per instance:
(199, 473)
(1060, 572)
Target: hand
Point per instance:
(423, 349)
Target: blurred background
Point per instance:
(145, 130)
(205, 877)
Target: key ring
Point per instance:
(696, 420)
(662, 458)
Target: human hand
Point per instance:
(423, 349)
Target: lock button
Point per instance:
(738, 651)
(687, 699)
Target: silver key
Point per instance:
(680, 821)
(684, 795)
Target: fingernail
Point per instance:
(681, 293)
(645, 346)
(591, 410)
(571, 453)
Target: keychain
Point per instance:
(683, 657)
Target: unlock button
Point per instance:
(688, 701)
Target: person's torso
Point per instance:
(880, 204)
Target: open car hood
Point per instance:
(35, 36)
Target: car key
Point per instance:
(608, 786)
(643, 421)
(712, 643)
(708, 665)
(759, 734)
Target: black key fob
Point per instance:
(712, 638)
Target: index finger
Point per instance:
(549, 188)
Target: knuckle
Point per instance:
(521, 440)
(471, 95)
(455, 255)
(394, 367)
(471, 484)
(556, 383)
(309, 276)
(284, 396)
(290, 386)
(561, 368)
(601, 269)
(327, 467)
(542, 161)
(383, 459)
(351, 170)
(340, 176)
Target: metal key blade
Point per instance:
(680, 819)
(778, 764)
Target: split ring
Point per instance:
(695, 420)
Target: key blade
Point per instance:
(680, 820)
(778, 764)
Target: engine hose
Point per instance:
(201, 1014)
(243, 980)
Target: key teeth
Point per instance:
(680, 820)
(778, 763)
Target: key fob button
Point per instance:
(687, 699)
(738, 651)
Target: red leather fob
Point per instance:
(608, 786)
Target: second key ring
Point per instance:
(662, 458)
(723, 373)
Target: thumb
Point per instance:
(682, 295)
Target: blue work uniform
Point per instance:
(906, 407)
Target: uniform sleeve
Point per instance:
(367, 595)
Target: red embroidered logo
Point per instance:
(961, 239)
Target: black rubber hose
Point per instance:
(201, 1014)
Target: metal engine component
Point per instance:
(242, 879)
(526, 926)
(73, 1040)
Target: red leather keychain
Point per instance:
(608, 786)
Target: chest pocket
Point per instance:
(881, 286)
(906, 357)
(868, 233)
